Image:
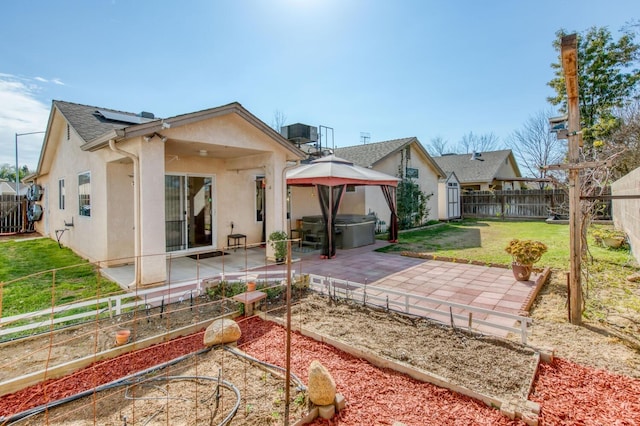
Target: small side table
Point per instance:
(239, 240)
(250, 299)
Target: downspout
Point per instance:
(136, 207)
(284, 183)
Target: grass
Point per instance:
(35, 260)
(485, 240)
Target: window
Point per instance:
(84, 194)
(61, 194)
(260, 186)
(351, 188)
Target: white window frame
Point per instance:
(84, 206)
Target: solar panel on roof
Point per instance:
(122, 117)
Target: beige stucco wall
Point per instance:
(427, 180)
(626, 213)
(304, 202)
(506, 170)
(120, 218)
(65, 161)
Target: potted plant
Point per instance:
(608, 237)
(524, 253)
(278, 242)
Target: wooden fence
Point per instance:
(521, 204)
(10, 220)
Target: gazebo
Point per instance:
(331, 175)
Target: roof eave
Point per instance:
(102, 141)
(430, 159)
(189, 118)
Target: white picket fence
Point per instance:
(409, 304)
(115, 305)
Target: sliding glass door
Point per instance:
(189, 212)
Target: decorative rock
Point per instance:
(634, 278)
(327, 411)
(340, 402)
(221, 331)
(322, 387)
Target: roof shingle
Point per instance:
(468, 170)
(369, 154)
(86, 120)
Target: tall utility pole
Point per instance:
(570, 66)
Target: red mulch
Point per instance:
(374, 396)
(568, 393)
(571, 394)
(99, 373)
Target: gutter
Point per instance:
(284, 184)
(136, 207)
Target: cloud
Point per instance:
(57, 81)
(21, 112)
(44, 80)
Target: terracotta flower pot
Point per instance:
(122, 336)
(251, 286)
(521, 272)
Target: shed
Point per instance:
(449, 197)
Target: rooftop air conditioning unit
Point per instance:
(300, 133)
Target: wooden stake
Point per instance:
(570, 67)
(287, 383)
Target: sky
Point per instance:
(387, 68)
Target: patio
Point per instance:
(479, 286)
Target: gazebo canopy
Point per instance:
(331, 175)
(334, 171)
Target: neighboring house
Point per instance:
(9, 188)
(483, 171)
(449, 206)
(133, 186)
(399, 157)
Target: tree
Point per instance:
(606, 79)
(478, 143)
(412, 204)
(279, 120)
(623, 142)
(8, 172)
(535, 146)
(438, 146)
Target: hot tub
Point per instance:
(352, 230)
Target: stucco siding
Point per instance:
(67, 163)
(120, 212)
(427, 179)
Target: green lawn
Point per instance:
(485, 240)
(34, 260)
